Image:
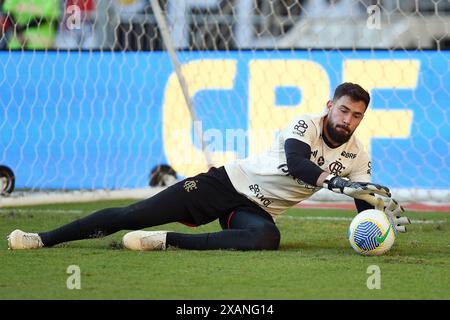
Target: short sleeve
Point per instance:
(302, 129)
(362, 170)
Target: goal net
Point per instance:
(94, 95)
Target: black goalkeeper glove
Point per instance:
(358, 190)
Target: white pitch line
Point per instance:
(58, 211)
(320, 218)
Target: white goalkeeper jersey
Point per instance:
(265, 178)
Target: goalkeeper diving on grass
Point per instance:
(247, 195)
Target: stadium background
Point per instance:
(96, 104)
(117, 136)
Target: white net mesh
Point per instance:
(89, 98)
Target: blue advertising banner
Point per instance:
(102, 119)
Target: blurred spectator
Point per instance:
(77, 28)
(33, 22)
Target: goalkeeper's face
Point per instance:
(344, 116)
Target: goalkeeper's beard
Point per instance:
(339, 137)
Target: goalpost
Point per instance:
(192, 84)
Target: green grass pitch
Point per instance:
(315, 261)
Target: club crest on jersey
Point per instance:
(190, 185)
(300, 128)
(336, 167)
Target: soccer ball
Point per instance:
(371, 233)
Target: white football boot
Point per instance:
(145, 240)
(24, 240)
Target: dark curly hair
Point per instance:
(354, 91)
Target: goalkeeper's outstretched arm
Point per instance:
(299, 166)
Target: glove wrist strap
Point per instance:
(326, 182)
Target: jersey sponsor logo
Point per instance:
(336, 167)
(314, 153)
(190, 185)
(369, 165)
(348, 155)
(321, 161)
(256, 191)
(300, 128)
